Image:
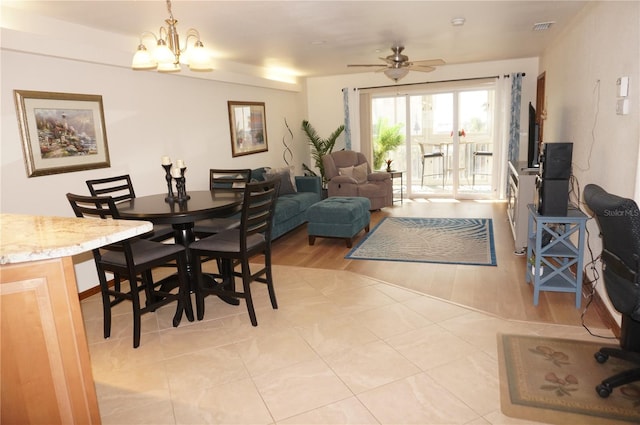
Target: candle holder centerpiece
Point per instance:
(166, 164)
(181, 184)
(175, 173)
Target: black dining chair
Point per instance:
(120, 189)
(222, 180)
(251, 239)
(134, 259)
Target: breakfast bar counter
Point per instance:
(46, 371)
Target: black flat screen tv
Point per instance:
(533, 142)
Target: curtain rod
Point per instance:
(427, 82)
(434, 82)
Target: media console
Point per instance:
(521, 191)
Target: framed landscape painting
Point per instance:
(248, 126)
(61, 132)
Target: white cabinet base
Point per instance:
(521, 191)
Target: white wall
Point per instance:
(582, 66)
(147, 115)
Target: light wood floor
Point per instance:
(500, 290)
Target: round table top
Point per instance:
(201, 205)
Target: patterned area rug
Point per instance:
(553, 380)
(429, 240)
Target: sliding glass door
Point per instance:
(448, 136)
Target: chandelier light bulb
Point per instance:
(142, 60)
(162, 54)
(199, 59)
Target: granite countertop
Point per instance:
(26, 238)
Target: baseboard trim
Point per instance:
(92, 291)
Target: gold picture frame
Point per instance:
(61, 132)
(248, 127)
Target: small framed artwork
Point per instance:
(248, 126)
(61, 132)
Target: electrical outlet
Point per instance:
(622, 106)
(623, 86)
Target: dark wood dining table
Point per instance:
(182, 215)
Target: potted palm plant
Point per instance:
(319, 148)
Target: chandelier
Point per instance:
(168, 55)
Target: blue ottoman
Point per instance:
(338, 217)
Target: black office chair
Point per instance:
(134, 259)
(222, 180)
(433, 155)
(120, 189)
(252, 238)
(619, 222)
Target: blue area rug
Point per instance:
(429, 240)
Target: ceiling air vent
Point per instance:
(542, 26)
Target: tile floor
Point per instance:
(341, 349)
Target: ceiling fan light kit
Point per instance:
(396, 73)
(168, 55)
(398, 65)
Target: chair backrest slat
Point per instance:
(119, 188)
(258, 208)
(102, 207)
(229, 180)
(96, 206)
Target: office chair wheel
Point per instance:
(601, 357)
(603, 390)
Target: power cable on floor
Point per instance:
(591, 265)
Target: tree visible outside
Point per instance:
(387, 138)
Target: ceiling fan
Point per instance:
(398, 65)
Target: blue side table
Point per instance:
(551, 252)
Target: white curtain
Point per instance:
(514, 123)
(503, 121)
(366, 146)
(351, 102)
(510, 89)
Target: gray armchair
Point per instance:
(348, 174)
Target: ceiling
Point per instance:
(319, 38)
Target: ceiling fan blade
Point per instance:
(429, 62)
(376, 65)
(421, 68)
(398, 61)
